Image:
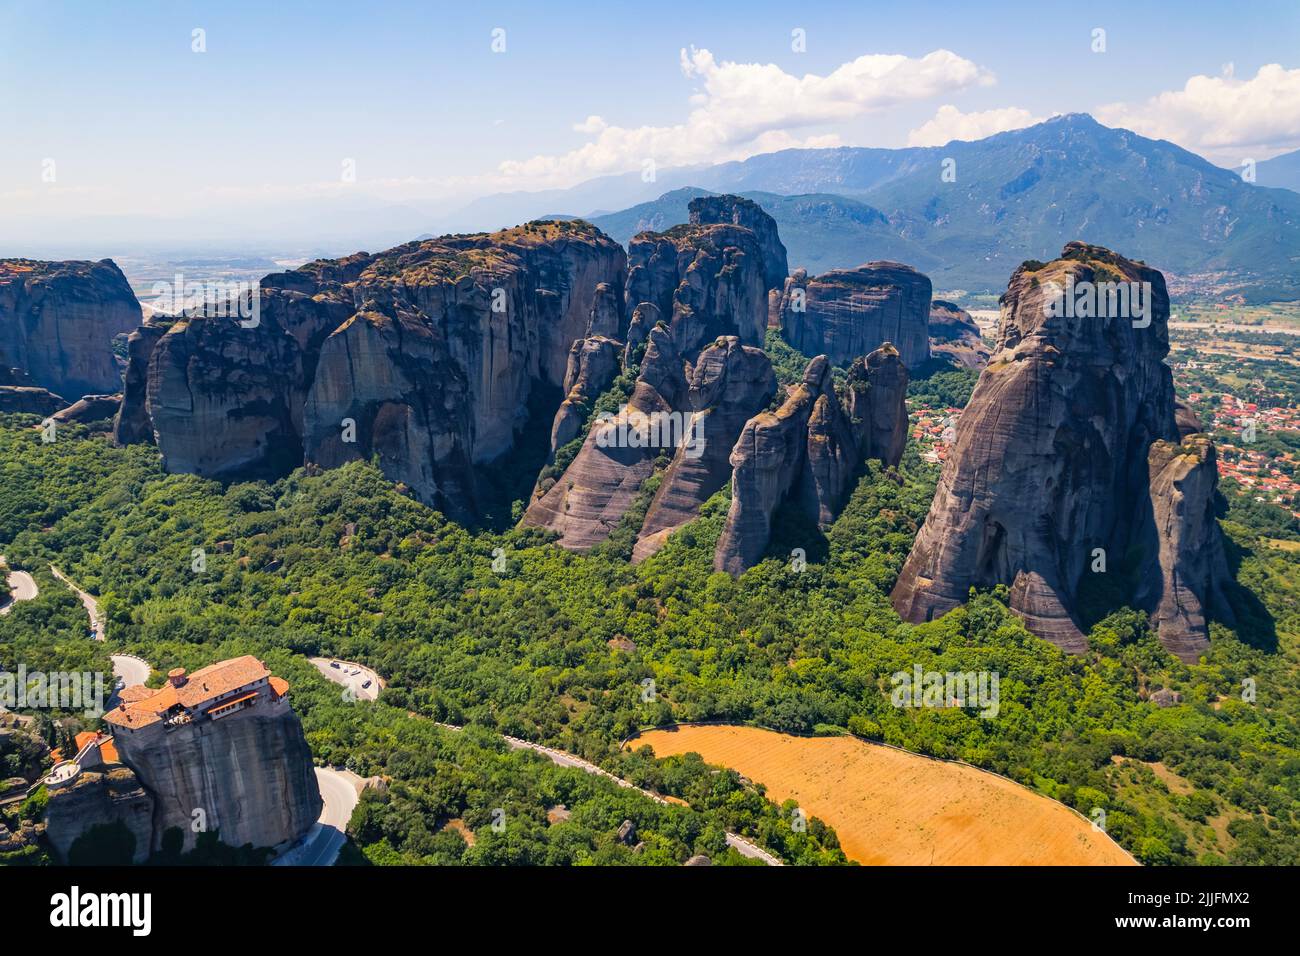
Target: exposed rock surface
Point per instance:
(727, 385)
(132, 425)
(1186, 577)
(846, 313)
(90, 408)
(58, 321)
(811, 449)
(100, 798)
(29, 400)
(251, 773)
(955, 335)
(593, 365)
(706, 210)
(586, 503)
(1051, 461)
(431, 349)
(706, 281)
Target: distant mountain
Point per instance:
(820, 231)
(1280, 172)
(1016, 195)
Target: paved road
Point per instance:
(91, 605)
(340, 790)
(339, 675)
(130, 668)
(22, 587)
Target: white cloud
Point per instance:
(741, 109)
(1221, 116)
(950, 123)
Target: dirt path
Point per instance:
(891, 807)
(91, 605)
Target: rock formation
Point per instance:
(810, 450)
(132, 425)
(954, 335)
(1061, 451)
(846, 313)
(727, 385)
(697, 297)
(707, 210)
(29, 400)
(58, 321)
(593, 364)
(424, 355)
(90, 408)
(104, 797)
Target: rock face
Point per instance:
(846, 313)
(954, 335)
(132, 425)
(727, 385)
(424, 355)
(697, 297)
(1186, 577)
(586, 503)
(100, 798)
(706, 281)
(593, 365)
(707, 210)
(1061, 452)
(58, 321)
(811, 449)
(91, 408)
(29, 400)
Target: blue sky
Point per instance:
(136, 122)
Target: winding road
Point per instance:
(340, 790)
(91, 605)
(22, 587)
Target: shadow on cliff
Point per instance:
(510, 478)
(792, 528)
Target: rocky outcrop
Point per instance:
(250, 773)
(726, 386)
(1186, 576)
(132, 425)
(91, 408)
(587, 502)
(95, 798)
(593, 365)
(58, 321)
(705, 281)
(1059, 449)
(846, 313)
(811, 449)
(955, 336)
(424, 355)
(29, 400)
(708, 210)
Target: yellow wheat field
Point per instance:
(891, 807)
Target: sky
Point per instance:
(171, 110)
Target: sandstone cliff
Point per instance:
(58, 321)
(424, 355)
(707, 210)
(811, 449)
(97, 798)
(954, 335)
(250, 773)
(846, 313)
(1051, 462)
(29, 400)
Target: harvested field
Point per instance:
(894, 808)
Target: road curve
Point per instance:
(91, 605)
(340, 790)
(22, 587)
